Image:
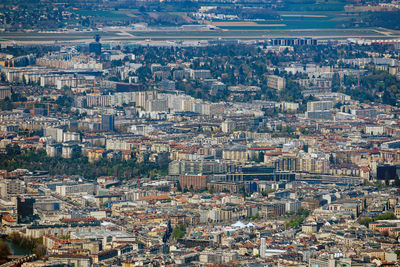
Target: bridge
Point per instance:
(19, 260)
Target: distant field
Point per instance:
(304, 15)
(331, 6)
(309, 23)
(103, 15)
(234, 24)
(308, 20)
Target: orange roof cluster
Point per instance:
(8, 218)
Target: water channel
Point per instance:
(16, 250)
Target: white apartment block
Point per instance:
(276, 82)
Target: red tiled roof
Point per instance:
(8, 218)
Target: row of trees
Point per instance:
(38, 160)
(384, 216)
(389, 20)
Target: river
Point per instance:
(16, 250)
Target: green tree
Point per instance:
(256, 217)
(179, 231)
(178, 186)
(398, 254)
(305, 148)
(143, 73)
(5, 251)
(13, 149)
(6, 104)
(365, 221)
(384, 216)
(297, 219)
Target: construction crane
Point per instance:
(34, 103)
(95, 90)
(101, 119)
(340, 73)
